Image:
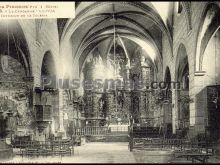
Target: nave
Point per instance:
(143, 75)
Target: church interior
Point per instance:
(138, 82)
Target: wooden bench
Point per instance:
(194, 156)
(77, 140)
(62, 148)
(48, 148)
(196, 152)
(139, 133)
(143, 143)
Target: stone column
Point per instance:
(164, 116)
(174, 110)
(61, 128)
(195, 118)
(146, 79)
(217, 57)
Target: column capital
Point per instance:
(145, 66)
(199, 73)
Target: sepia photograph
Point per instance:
(109, 82)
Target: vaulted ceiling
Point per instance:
(137, 23)
(13, 43)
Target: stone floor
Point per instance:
(100, 152)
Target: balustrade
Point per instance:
(90, 131)
(99, 130)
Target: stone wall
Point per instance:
(41, 36)
(187, 37)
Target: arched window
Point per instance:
(178, 7)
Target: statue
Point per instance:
(120, 100)
(4, 64)
(101, 103)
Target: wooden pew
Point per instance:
(199, 151)
(48, 148)
(141, 133)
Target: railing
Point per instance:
(118, 129)
(100, 130)
(90, 131)
(144, 132)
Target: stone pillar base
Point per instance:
(217, 148)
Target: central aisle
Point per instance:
(104, 153)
